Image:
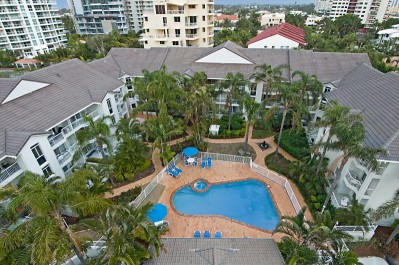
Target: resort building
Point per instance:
(29, 28)
(41, 112)
(271, 19)
(221, 17)
(283, 36)
(232, 251)
(375, 95)
(313, 20)
(369, 11)
(391, 34)
(184, 24)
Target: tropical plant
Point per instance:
(296, 227)
(296, 254)
(350, 135)
(388, 209)
(45, 237)
(251, 110)
(270, 77)
(127, 128)
(233, 85)
(341, 255)
(332, 117)
(355, 214)
(128, 234)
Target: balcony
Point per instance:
(175, 12)
(56, 139)
(192, 36)
(10, 173)
(191, 24)
(68, 154)
(352, 182)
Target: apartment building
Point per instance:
(375, 95)
(271, 19)
(30, 27)
(179, 23)
(368, 10)
(41, 112)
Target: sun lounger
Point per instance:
(209, 162)
(178, 170)
(207, 234)
(173, 173)
(203, 163)
(218, 234)
(197, 234)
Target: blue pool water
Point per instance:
(247, 201)
(200, 185)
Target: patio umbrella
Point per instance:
(190, 151)
(157, 213)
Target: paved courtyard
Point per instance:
(184, 226)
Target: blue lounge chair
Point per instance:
(218, 234)
(197, 234)
(203, 163)
(173, 173)
(209, 162)
(207, 234)
(175, 168)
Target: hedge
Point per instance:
(296, 144)
(128, 196)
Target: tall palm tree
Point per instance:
(388, 209)
(290, 103)
(296, 254)
(127, 128)
(296, 227)
(128, 235)
(350, 135)
(269, 76)
(45, 237)
(353, 215)
(251, 110)
(333, 115)
(233, 85)
(99, 131)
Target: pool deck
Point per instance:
(184, 226)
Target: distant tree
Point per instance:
(7, 58)
(296, 20)
(346, 24)
(69, 25)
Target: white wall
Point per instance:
(277, 41)
(223, 56)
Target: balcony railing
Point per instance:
(175, 11)
(9, 171)
(68, 154)
(353, 181)
(191, 36)
(191, 24)
(56, 139)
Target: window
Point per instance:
(146, 19)
(273, 47)
(145, 42)
(162, 42)
(175, 43)
(203, 40)
(177, 32)
(191, 6)
(165, 21)
(109, 106)
(47, 171)
(148, 30)
(37, 152)
(203, 6)
(203, 18)
(203, 29)
(133, 105)
(160, 9)
(265, 47)
(176, 19)
(113, 119)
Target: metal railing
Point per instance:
(56, 139)
(175, 11)
(191, 35)
(227, 158)
(150, 187)
(9, 171)
(280, 180)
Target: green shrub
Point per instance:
(261, 134)
(278, 164)
(296, 144)
(228, 133)
(242, 132)
(128, 196)
(143, 166)
(237, 133)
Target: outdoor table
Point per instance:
(191, 160)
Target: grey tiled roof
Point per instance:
(327, 66)
(226, 251)
(376, 95)
(73, 86)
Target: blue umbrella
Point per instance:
(190, 151)
(157, 213)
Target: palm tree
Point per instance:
(388, 209)
(99, 131)
(45, 237)
(350, 133)
(290, 103)
(235, 85)
(296, 254)
(163, 128)
(353, 215)
(251, 109)
(128, 235)
(332, 117)
(296, 227)
(341, 256)
(199, 104)
(127, 128)
(270, 77)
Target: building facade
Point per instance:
(271, 19)
(368, 11)
(174, 23)
(43, 140)
(30, 27)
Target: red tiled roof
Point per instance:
(286, 30)
(28, 61)
(229, 17)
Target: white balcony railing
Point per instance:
(9, 171)
(191, 24)
(68, 154)
(175, 11)
(352, 181)
(56, 139)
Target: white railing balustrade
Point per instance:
(9, 171)
(358, 232)
(56, 139)
(227, 158)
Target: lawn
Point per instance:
(230, 149)
(261, 134)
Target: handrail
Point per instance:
(9, 171)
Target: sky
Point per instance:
(64, 4)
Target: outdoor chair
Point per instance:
(172, 173)
(209, 162)
(207, 234)
(197, 234)
(178, 170)
(203, 163)
(218, 234)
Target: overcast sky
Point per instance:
(63, 3)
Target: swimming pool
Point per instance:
(246, 201)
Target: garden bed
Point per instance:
(278, 163)
(296, 144)
(261, 134)
(140, 175)
(230, 149)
